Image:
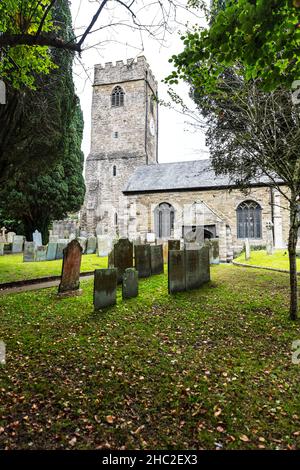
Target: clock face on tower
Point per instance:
(152, 126)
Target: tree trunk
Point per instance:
(293, 235)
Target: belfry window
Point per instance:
(117, 97)
(248, 220)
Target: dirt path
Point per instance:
(36, 286)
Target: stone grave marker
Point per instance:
(105, 287)
(176, 271)
(53, 238)
(1, 248)
(83, 242)
(70, 274)
(61, 245)
(215, 251)
(173, 245)
(165, 252)
(269, 241)
(192, 246)
(10, 237)
(104, 245)
(142, 257)
(41, 253)
(247, 249)
(130, 283)
(192, 269)
(204, 265)
(51, 251)
(37, 238)
(3, 236)
(18, 243)
(157, 259)
(29, 252)
(121, 256)
(91, 245)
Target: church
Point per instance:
(130, 194)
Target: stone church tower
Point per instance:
(123, 137)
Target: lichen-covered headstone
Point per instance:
(215, 251)
(176, 271)
(142, 257)
(18, 243)
(37, 238)
(105, 288)
(41, 253)
(70, 275)
(130, 283)
(91, 245)
(173, 245)
(29, 252)
(122, 256)
(157, 259)
(10, 237)
(51, 251)
(192, 269)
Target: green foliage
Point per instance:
(263, 36)
(20, 64)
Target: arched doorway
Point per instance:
(164, 216)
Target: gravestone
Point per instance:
(1, 248)
(61, 245)
(130, 283)
(192, 246)
(72, 236)
(29, 252)
(247, 249)
(173, 245)
(121, 256)
(51, 251)
(82, 241)
(269, 241)
(142, 257)
(3, 236)
(157, 259)
(10, 237)
(70, 274)
(165, 252)
(104, 245)
(192, 269)
(204, 265)
(105, 287)
(41, 253)
(53, 238)
(176, 271)
(18, 243)
(37, 238)
(214, 251)
(91, 245)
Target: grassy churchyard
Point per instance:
(279, 260)
(206, 369)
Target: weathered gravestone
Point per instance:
(41, 253)
(142, 260)
(37, 238)
(192, 246)
(157, 259)
(214, 251)
(121, 256)
(53, 238)
(173, 245)
(91, 245)
(18, 243)
(82, 241)
(104, 245)
(247, 249)
(10, 237)
(176, 271)
(270, 242)
(105, 287)
(1, 249)
(204, 265)
(130, 283)
(70, 274)
(61, 245)
(192, 269)
(29, 252)
(51, 251)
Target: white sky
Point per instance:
(177, 140)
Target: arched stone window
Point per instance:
(117, 97)
(164, 216)
(248, 220)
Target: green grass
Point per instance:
(279, 260)
(204, 369)
(12, 267)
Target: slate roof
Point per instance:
(196, 174)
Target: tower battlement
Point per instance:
(121, 71)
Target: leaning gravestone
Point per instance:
(51, 251)
(104, 245)
(91, 245)
(61, 245)
(70, 274)
(82, 241)
(157, 259)
(176, 271)
(105, 287)
(18, 242)
(121, 256)
(142, 257)
(173, 245)
(29, 252)
(130, 283)
(192, 269)
(204, 265)
(37, 238)
(1, 249)
(41, 253)
(247, 249)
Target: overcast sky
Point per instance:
(177, 140)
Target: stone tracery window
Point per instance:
(248, 220)
(164, 217)
(117, 97)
